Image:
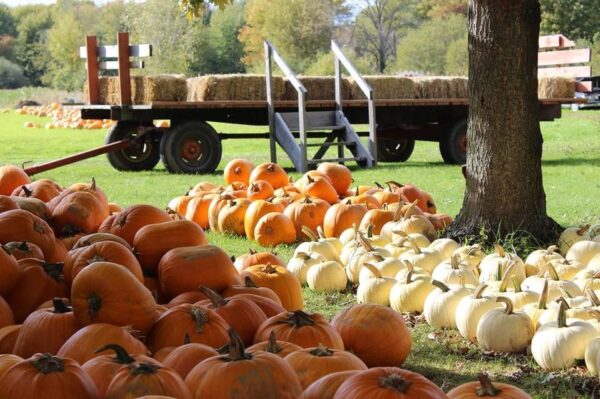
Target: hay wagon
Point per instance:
(191, 145)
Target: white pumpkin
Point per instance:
(571, 235)
(519, 297)
(565, 269)
(556, 286)
(356, 263)
(502, 330)
(537, 258)
(327, 276)
(412, 223)
(472, 254)
(453, 271)
(425, 258)
(445, 246)
(409, 267)
(375, 290)
(583, 251)
(323, 248)
(301, 262)
(409, 294)
(535, 310)
(591, 355)
(441, 304)
(558, 344)
(471, 310)
(494, 265)
(388, 267)
(594, 263)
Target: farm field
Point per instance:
(571, 164)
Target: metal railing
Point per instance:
(272, 54)
(339, 60)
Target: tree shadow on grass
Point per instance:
(576, 161)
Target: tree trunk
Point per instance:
(504, 191)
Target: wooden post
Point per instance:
(91, 46)
(124, 75)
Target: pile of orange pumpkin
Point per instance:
(263, 204)
(102, 302)
(65, 118)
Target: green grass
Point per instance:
(571, 165)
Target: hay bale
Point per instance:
(317, 88)
(241, 87)
(385, 87)
(556, 87)
(149, 88)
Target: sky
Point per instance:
(14, 3)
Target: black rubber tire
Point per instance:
(203, 138)
(453, 144)
(394, 149)
(144, 156)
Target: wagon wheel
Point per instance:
(453, 144)
(394, 149)
(191, 147)
(144, 154)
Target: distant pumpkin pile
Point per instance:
(102, 302)
(262, 204)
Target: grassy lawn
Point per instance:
(571, 165)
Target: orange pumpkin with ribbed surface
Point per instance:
(84, 344)
(369, 201)
(279, 280)
(103, 368)
(269, 306)
(231, 217)
(184, 358)
(270, 172)
(6, 314)
(202, 325)
(7, 361)
(320, 187)
(23, 250)
(42, 189)
(243, 375)
(197, 210)
(11, 177)
(342, 216)
(186, 268)
(93, 238)
(38, 281)
(308, 213)
(253, 258)
(9, 271)
(46, 375)
(325, 387)
(105, 292)
(131, 219)
(303, 329)
(187, 297)
(46, 330)
(105, 251)
(273, 229)
(238, 170)
(340, 176)
(202, 188)
(484, 388)
(20, 225)
(7, 203)
(179, 204)
(279, 348)
(388, 383)
(259, 189)
(8, 337)
(240, 313)
(35, 206)
(310, 364)
(256, 210)
(377, 218)
(153, 241)
(374, 333)
(214, 209)
(147, 377)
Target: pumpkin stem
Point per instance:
(455, 261)
(249, 283)
(486, 388)
(543, 296)
(94, 304)
(373, 270)
(370, 228)
(271, 167)
(516, 284)
(364, 242)
(507, 302)
(394, 382)
(409, 276)
(440, 285)
(583, 229)
(121, 355)
(312, 236)
(272, 345)
(592, 297)
(59, 306)
(27, 191)
(23, 246)
(561, 320)
(479, 290)
(269, 269)
(200, 317)
(54, 270)
(186, 339)
(320, 232)
(379, 185)
(144, 368)
(551, 250)
(499, 250)
(394, 183)
(93, 185)
(216, 299)
(409, 265)
(298, 319)
(236, 347)
(473, 249)
(506, 277)
(321, 351)
(46, 364)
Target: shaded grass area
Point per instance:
(571, 166)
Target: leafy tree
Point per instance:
(11, 75)
(426, 49)
(7, 48)
(300, 29)
(66, 70)
(442, 8)
(379, 27)
(323, 65)
(457, 57)
(7, 22)
(576, 19)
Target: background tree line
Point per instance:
(39, 44)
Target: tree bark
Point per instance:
(504, 190)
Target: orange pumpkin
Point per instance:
(231, 217)
(43, 189)
(9, 271)
(273, 229)
(277, 278)
(105, 292)
(260, 189)
(256, 210)
(270, 172)
(214, 209)
(44, 372)
(238, 170)
(308, 213)
(439, 220)
(7, 204)
(253, 258)
(186, 268)
(85, 343)
(325, 387)
(279, 348)
(33, 205)
(7, 361)
(8, 337)
(374, 333)
(243, 375)
(189, 297)
(197, 210)
(269, 306)
(377, 218)
(151, 242)
(20, 225)
(388, 382)
(93, 238)
(486, 389)
(342, 216)
(303, 329)
(6, 315)
(184, 358)
(11, 177)
(368, 200)
(179, 204)
(203, 187)
(131, 219)
(320, 187)
(339, 175)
